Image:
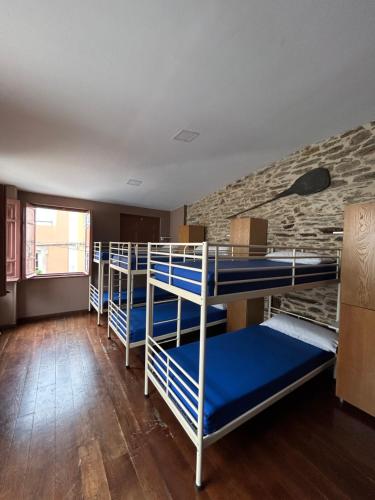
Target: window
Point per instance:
(57, 241)
(45, 216)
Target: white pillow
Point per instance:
(310, 333)
(307, 257)
(222, 307)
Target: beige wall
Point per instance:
(178, 217)
(44, 296)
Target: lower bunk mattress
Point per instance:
(243, 369)
(139, 296)
(166, 312)
(265, 272)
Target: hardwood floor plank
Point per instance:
(74, 424)
(94, 479)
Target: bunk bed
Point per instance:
(98, 290)
(127, 318)
(214, 385)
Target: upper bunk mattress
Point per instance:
(278, 274)
(167, 311)
(103, 255)
(137, 263)
(243, 369)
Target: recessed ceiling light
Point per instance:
(186, 135)
(134, 182)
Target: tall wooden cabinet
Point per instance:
(190, 233)
(246, 231)
(356, 356)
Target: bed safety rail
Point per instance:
(128, 256)
(239, 271)
(100, 251)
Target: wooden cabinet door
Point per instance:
(358, 258)
(356, 357)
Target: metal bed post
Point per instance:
(149, 315)
(202, 362)
(179, 301)
(216, 268)
(269, 306)
(100, 290)
(119, 288)
(294, 267)
(128, 292)
(90, 281)
(110, 295)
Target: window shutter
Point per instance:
(30, 249)
(2, 241)
(13, 263)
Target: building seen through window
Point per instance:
(61, 242)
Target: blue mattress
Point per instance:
(243, 369)
(122, 261)
(139, 295)
(249, 269)
(190, 317)
(104, 255)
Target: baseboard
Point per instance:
(7, 327)
(31, 319)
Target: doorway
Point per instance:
(139, 228)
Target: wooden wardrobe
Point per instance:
(189, 233)
(356, 356)
(246, 231)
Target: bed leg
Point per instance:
(98, 319)
(198, 468)
(127, 353)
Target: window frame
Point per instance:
(88, 243)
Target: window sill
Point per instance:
(12, 280)
(54, 276)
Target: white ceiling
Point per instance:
(92, 91)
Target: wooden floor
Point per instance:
(74, 424)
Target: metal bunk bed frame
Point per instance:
(96, 293)
(172, 371)
(118, 251)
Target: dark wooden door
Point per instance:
(139, 228)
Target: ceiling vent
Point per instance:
(186, 135)
(134, 182)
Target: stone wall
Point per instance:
(296, 220)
